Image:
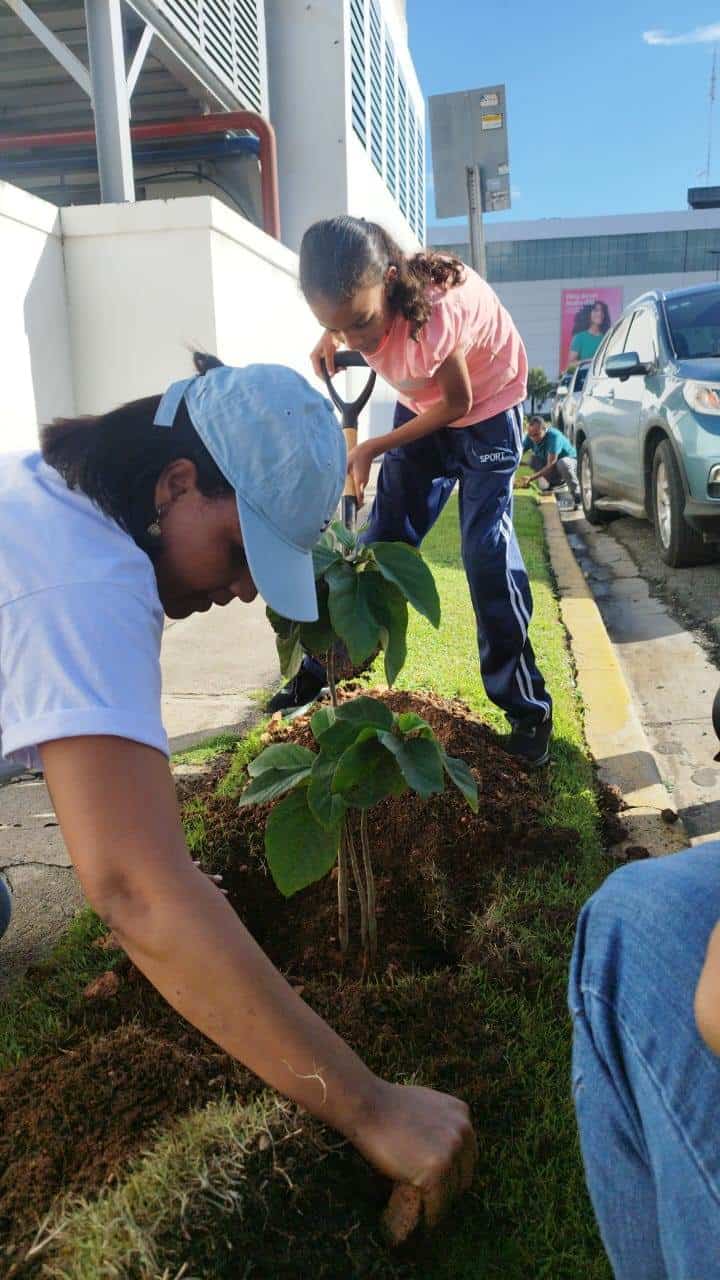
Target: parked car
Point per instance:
(568, 407)
(558, 400)
(648, 426)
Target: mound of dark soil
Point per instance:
(434, 860)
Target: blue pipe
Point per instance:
(144, 153)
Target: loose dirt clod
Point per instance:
(104, 987)
(402, 1214)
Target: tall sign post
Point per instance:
(471, 167)
(475, 218)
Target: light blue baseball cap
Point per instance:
(279, 444)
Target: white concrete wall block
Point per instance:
(140, 290)
(34, 328)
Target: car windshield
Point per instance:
(694, 321)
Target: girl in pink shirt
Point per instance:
(440, 336)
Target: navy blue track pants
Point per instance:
(414, 484)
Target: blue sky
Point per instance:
(602, 117)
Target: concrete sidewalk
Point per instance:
(214, 666)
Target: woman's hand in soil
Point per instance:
(325, 350)
(421, 1138)
(358, 464)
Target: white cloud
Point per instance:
(698, 35)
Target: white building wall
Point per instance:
(34, 338)
(149, 282)
(140, 291)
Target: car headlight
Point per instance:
(703, 397)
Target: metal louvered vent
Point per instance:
(230, 37)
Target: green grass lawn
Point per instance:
(528, 1216)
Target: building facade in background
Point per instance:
(335, 78)
(349, 115)
(550, 272)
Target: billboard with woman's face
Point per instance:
(585, 317)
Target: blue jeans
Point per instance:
(414, 484)
(646, 1087)
(5, 906)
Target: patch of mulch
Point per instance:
(434, 860)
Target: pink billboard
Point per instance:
(585, 317)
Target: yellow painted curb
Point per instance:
(613, 730)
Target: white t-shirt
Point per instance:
(80, 619)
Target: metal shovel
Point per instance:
(350, 411)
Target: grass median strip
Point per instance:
(493, 1028)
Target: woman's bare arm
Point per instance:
(116, 805)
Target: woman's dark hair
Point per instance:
(340, 255)
(116, 458)
(582, 317)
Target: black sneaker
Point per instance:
(529, 743)
(303, 688)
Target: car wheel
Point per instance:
(678, 543)
(587, 488)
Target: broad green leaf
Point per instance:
(365, 774)
(287, 757)
(327, 808)
(365, 711)
(290, 652)
(321, 721)
(419, 761)
(389, 608)
(316, 637)
(271, 784)
(324, 555)
(460, 774)
(280, 625)
(405, 567)
(343, 535)
(298, 849)
(337, 739)
(349, 613)
(408, 723)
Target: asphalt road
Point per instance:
(665, 625)
(693, 595)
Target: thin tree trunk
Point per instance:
(331, 675)
(359, 885)
(370, 886)
(342, 891)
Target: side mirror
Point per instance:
(626, 365)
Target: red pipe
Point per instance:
(222, 122)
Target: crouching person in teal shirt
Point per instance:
(554, 460)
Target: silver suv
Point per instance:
(648, 425)
(568, 406)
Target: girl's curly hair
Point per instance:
(340, 255)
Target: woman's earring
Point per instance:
(153, 528)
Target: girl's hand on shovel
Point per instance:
(325, 350)
(424, 1141)
(359, 463)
